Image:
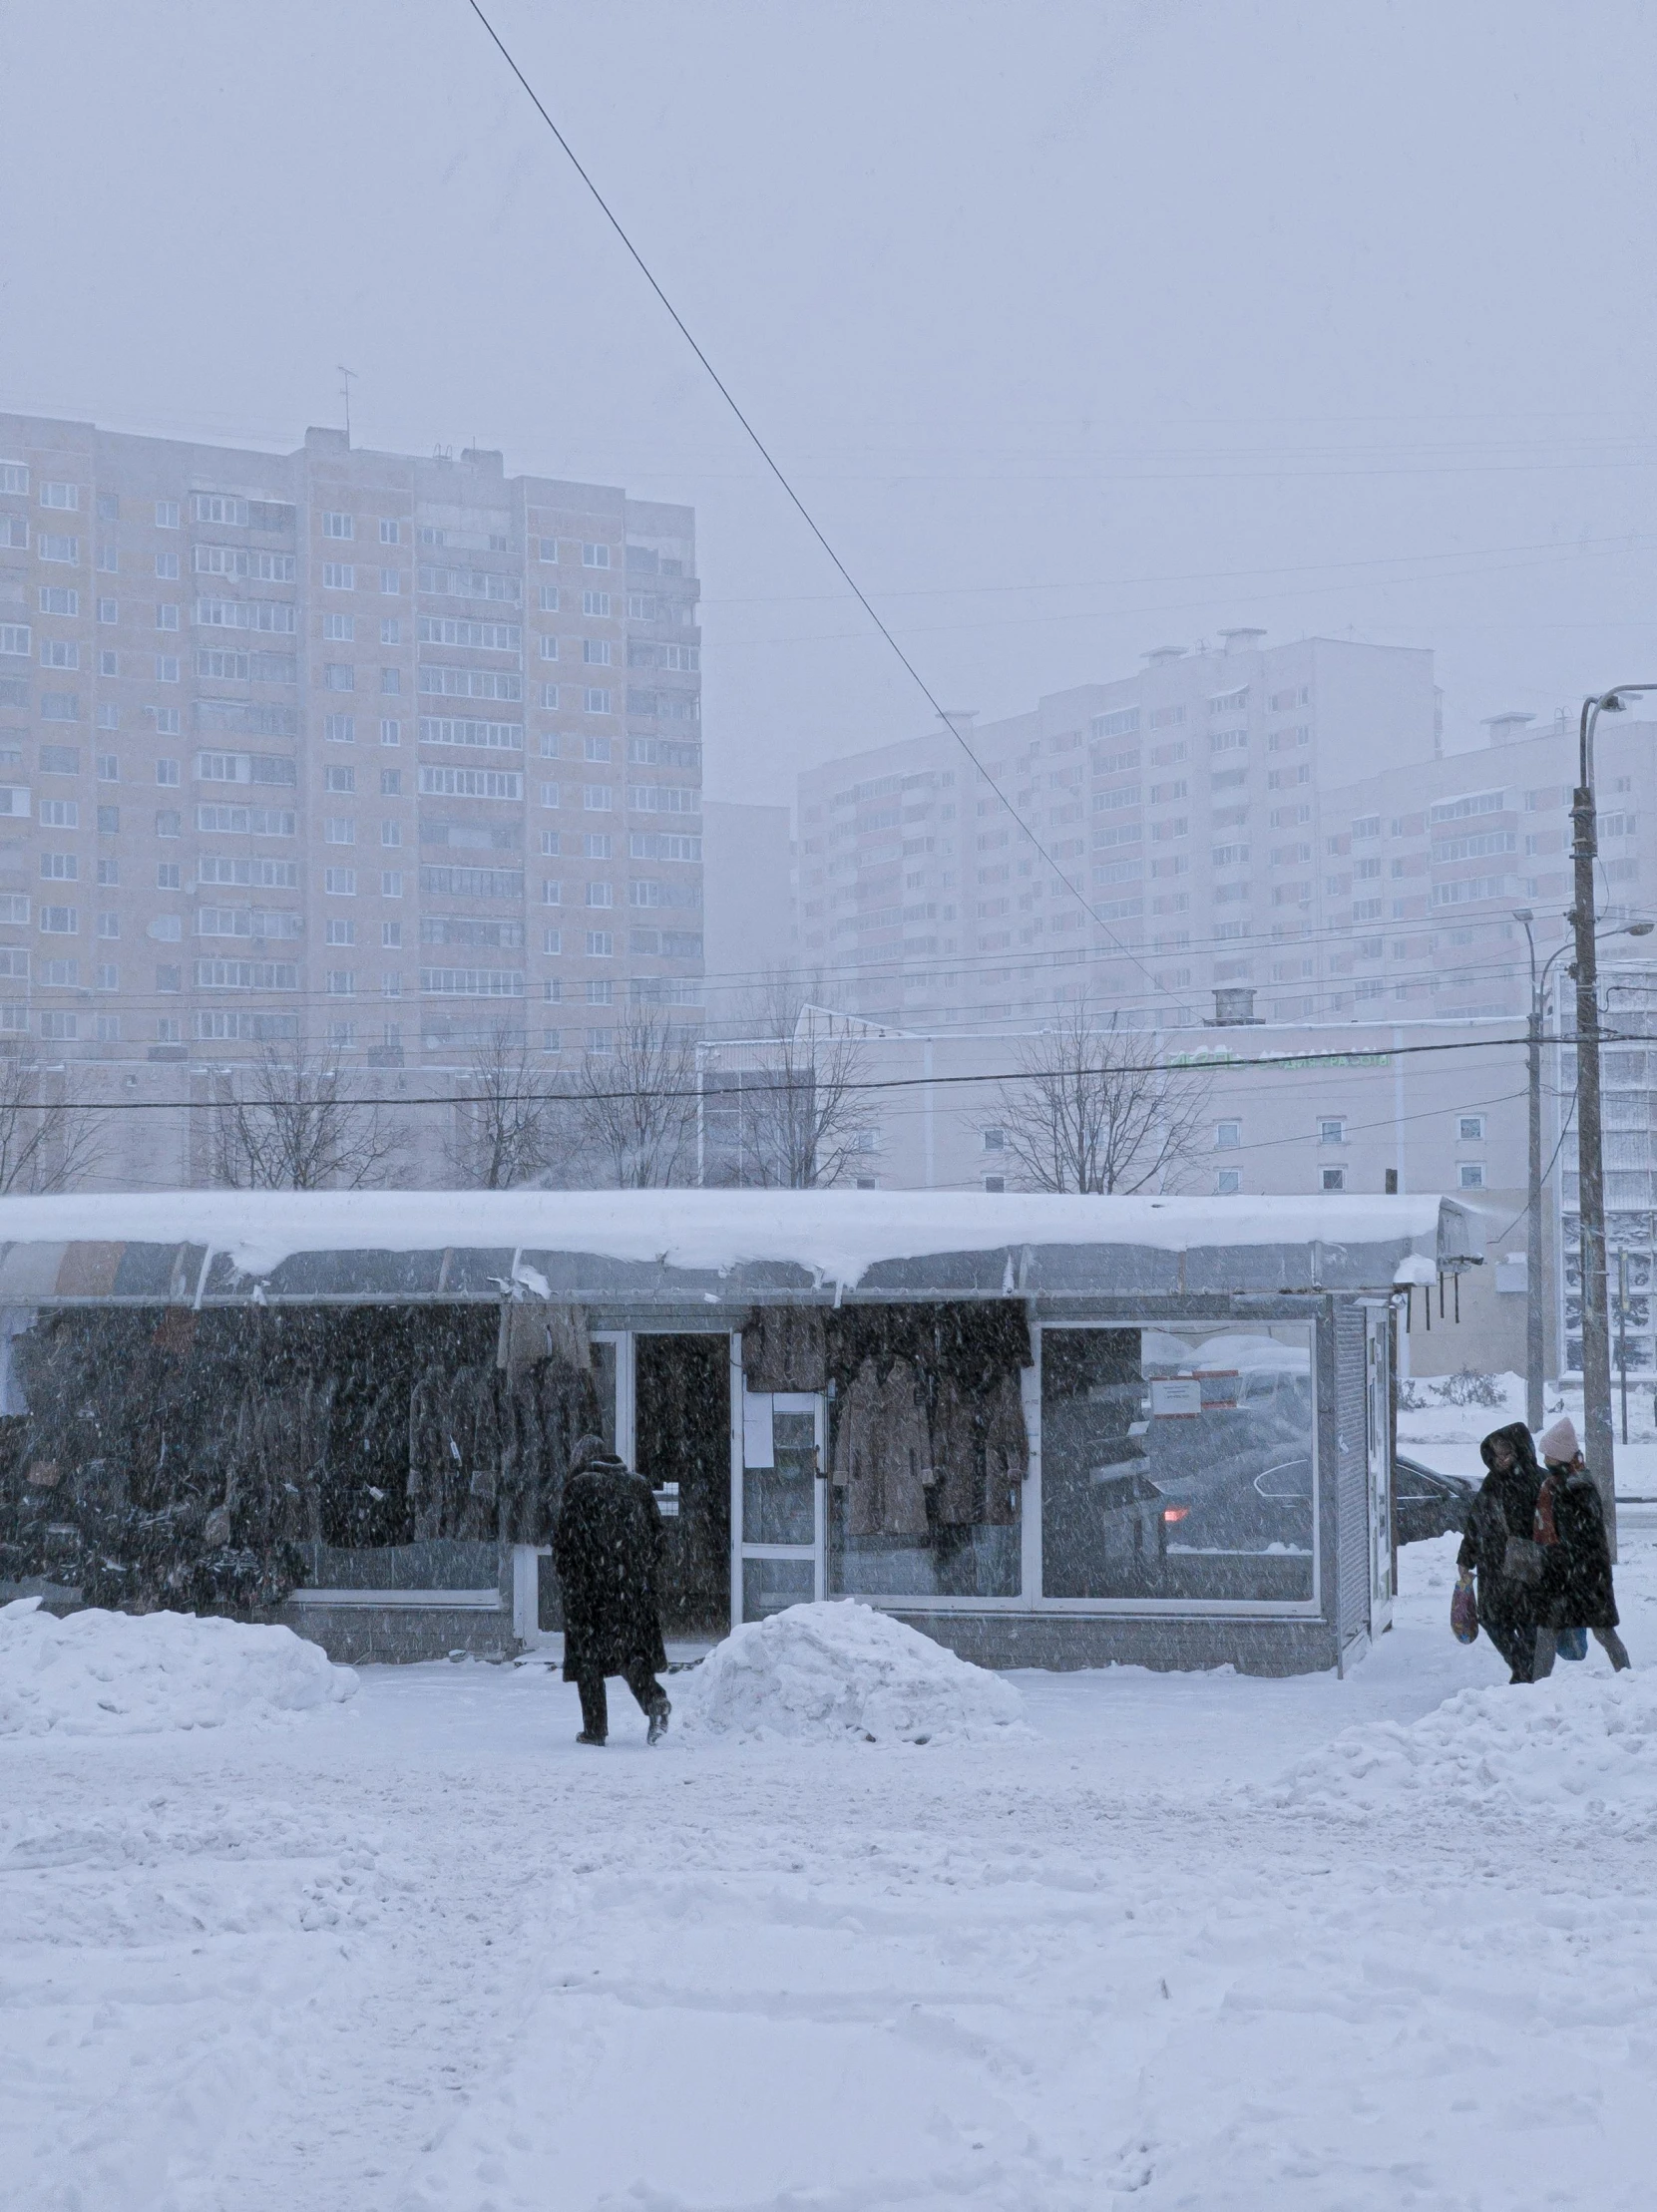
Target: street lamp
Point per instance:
(1534, 1347)
(1596, 1332)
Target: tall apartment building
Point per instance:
(1181, 801)
(338, 745)
(1277, 819)
(1423, 869)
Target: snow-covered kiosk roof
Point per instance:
(713, 1247)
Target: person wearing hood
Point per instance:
(1575, 1589)
(607, 1546)
(1500, 1546)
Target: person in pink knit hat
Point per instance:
(1576, 1589)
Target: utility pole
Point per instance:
(1596, 1332)
(1535, 1354)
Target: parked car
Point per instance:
(1426, 1503)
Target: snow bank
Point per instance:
(118, 1674)
(842, 1672)
(1579, 1746)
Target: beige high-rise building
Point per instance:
(350, 747)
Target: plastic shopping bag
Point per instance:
(1464, 1610)
(1571, 1644)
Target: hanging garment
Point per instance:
(547, 1408)
(437, 1464)
(475, 1417)
(278, 1462)
(882, 1453)
(784, 1347)
(980, 1453)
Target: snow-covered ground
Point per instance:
(1167, 1943)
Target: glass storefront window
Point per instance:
(779, 1502)
(1178, 1463)
(919, 1511)
(769, 1584)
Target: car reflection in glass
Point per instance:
(1227, 1437)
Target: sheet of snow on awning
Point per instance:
(836, 1235)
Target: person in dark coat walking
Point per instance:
(606, 1548)
(1576, 1591)
(1501, 1545)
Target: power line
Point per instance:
(794, 497)
(1187, 1064)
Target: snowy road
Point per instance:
(420, 1953)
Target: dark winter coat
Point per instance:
(1501, 1533)
(607, 1551)
(1576, 1571)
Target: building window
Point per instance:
(1228, 1182)
(594, 556)
(391, 733)
(391, 533)
(991, 1183)
(167, 513)
(339, 630)
(1470, 1175)
(1469, 1130)
(391, 883)
(600, 945)
(1334, 1179)
(340, 882)
(1228, 1135)
(339, 729)
(1332, 1132)
(337, 676)
(338, 526)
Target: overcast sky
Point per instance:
(1080, 328)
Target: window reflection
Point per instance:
(1178, 1463)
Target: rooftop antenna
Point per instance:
(348, 377)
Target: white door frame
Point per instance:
(788, 1401)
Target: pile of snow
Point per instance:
(1581, 1747)
(842, 1672)
(118, 1674)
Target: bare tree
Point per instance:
(48, 1142)
(288, 1121)
(636, 1106)
(1092, 1109)
(507, 1130)
(792, 1112)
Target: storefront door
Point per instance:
(780, 1509)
